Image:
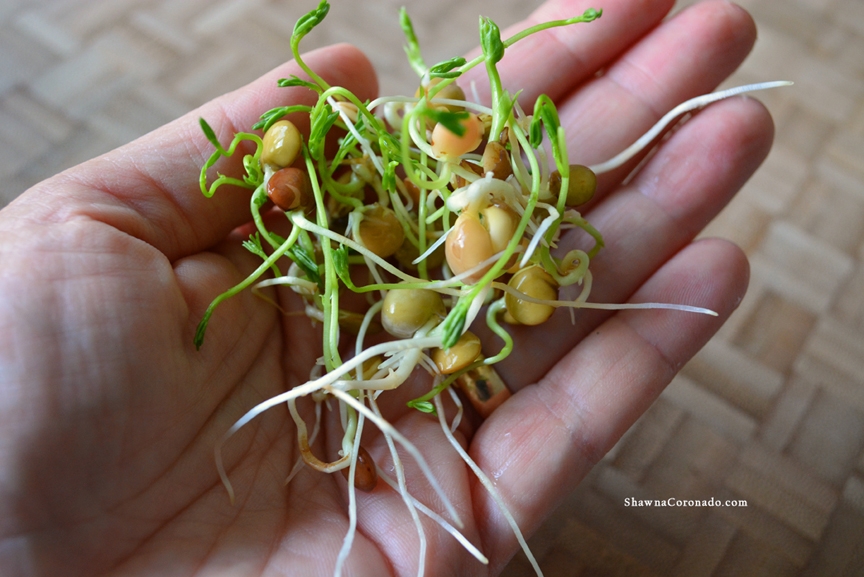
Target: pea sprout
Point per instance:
(432, 206)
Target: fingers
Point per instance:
(690, 179)
(684, 57)
(149, 188)
(558, 430)
(556, 61)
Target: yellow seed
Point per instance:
(281, 144)
(449, 146)
(405, 311)
(534, 282)
(583, 184)
(370, 367)
(501, 222)
(467, 245)
(349, 108)
(463, 353)
(450, 92)
(380, 231)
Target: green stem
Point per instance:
(256, 274)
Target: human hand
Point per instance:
(109, 415)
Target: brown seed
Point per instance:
(289, 188)
(408, 252)
(496, 160)
(380, 231)
(484, 389)
(458, 182)
(365, 476)
(460, 355)
(412, 189)
(351, 322)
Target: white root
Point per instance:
(403, 491)
(329, 381)
(388, 429)
(348, 540)
(487, 484)
(441, 521)
(692, 104)
(579, 303)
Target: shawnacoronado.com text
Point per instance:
(674, 502)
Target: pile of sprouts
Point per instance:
(448, 207)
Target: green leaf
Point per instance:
(388, 145)
(321, 125)
(202, 328)
(450, 120)
(259, 197)
(274, 115)
(535, 132)
(447, 68)
(423, 406)
(208, 132)
(549, 114)
(490, 41)
(412, 46)
(340, 263)
(454, 324)
(295, 81)
(306, 23)
(306, 262)
(388, 179)
(546, 114)
(589, 15)
(253, 245)
(254, 176)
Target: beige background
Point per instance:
(772, 411)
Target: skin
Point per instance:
(109, 416)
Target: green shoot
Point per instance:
(447, 69)
(256, 274)
(412, 46)
(493, 52)
(253, 176)
(303, 26)
(274, 115)
(295, 81)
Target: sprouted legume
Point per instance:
(412, 178)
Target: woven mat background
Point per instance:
(772, 411)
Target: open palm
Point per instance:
(109, 415)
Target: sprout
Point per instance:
(371, 215)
